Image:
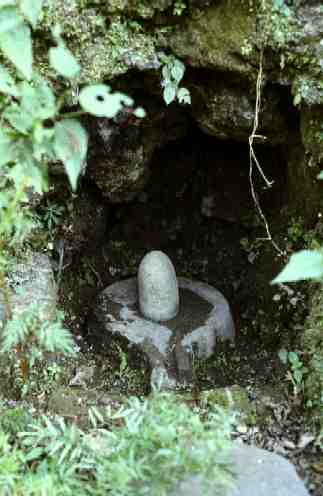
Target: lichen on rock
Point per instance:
(101, 44)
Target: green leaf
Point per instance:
(31, 9)
(6, 3)
(7, 149)
(184, 96)
(19, 120)
(169, 93)
(17, 47)
(297, 99)
(57, 32)
(298, 376)
(139, 112)
(38, 100)
(97, 100)
(70, 145)
(166, 73)
(293, 357)
(29, 174)
(306, 264)
(177, 71)
(9, 19)
(42, 135)
(7, 83)
(320, 175)
(62, 60)
(34, 454)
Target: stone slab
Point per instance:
(258, 473)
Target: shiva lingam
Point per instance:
(170, 319)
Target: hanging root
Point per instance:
(253, 161)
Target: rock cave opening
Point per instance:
(197, 207)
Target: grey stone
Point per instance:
(32, 284)
(157, 287)
(227, 112)
(258, 473)
(203, 315)
(219, 321)
(160, 380)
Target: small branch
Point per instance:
(72, 115)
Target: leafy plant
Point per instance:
(51, 214)
(179, 7)
(297, 369)
(172, 72)
(34, 132)
(13, 420)
(30, 337)
(306, 264)
(147, 447)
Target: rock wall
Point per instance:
(220, 43)
(224, 44)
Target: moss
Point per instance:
(282, 29)
(143, 8)
(99, 43)
(312, 345)
(312, 131)
(278, 24)
(216, 36)
(234, 398)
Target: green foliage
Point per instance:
(15, 44)
(172, 73)
(50, 215)
(297, 369)
(34, 132)
(277, 21)
(179, 7)
(70, 146)
(63, 62)
(27, 139)
(147, 447)
(98, 100)
(7, 83)
(34, 336)
(296, 231)
(27, 337)
(31, 10)
(307, 90)
(306, 264)
(14, 420)
(162, 442)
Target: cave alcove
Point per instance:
(197, 207)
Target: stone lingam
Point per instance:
(169, 319)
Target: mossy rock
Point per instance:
(312, 345)
(234, 398)
(74, 403)
(100, 42)
(214, 37)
